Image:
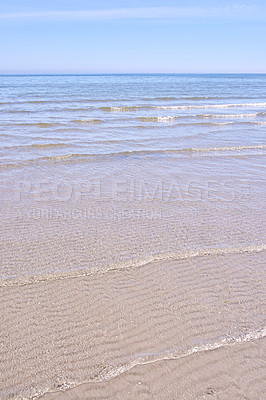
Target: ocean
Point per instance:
(114, 149)
(145, 192)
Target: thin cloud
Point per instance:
(234, 11)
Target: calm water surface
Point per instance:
(128, 166)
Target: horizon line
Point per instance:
(126, 73)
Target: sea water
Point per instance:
(104, 171)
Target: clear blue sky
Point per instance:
(78, 36)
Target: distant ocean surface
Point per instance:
(113, 154)
(48, 119)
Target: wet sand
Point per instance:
(184, 328)
(220, 374)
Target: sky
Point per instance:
(139, 36)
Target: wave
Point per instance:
(122, 108)
(158, 119)
(209, 97)
(75, 109)
(50, 110)
(195, 106)
(9, 135)
(205, 98)
(250, 115)
(143, 127)
(200, 116)
(260, 123)
(87, 121)
(63, 101)
(109, 372)
(47, 145)
(180, 107)
(150, 152)
(209, 123)
(175, 354)
(94, 100)
(36, 146)
(174, 118)
(39, 124)
(220, 97)
(160, 98)
(206, 116)
(99, 156)
(34, 102)
(19, 111)
(181, 255)
(198, 98)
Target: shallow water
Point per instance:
(128, 154)
(130, 205)
(61, 116)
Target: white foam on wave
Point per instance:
(181, 107)
(180, 255)
(175, 354)
(216, 344)
(109, 372)
(158, 119)
(260, 123)
(250, 115)
(87, 121)
(192, 106)
(121, 108)
(85, 157)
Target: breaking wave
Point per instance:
(87, 121)
(99, 156)
(181, 107)
(121, 108)
(189, 107)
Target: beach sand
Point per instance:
(188, 328)
(160, 300)
(226, 373)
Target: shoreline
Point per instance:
(220, 374)
(60, 334)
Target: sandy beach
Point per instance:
(221, 374)
(145, 332)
